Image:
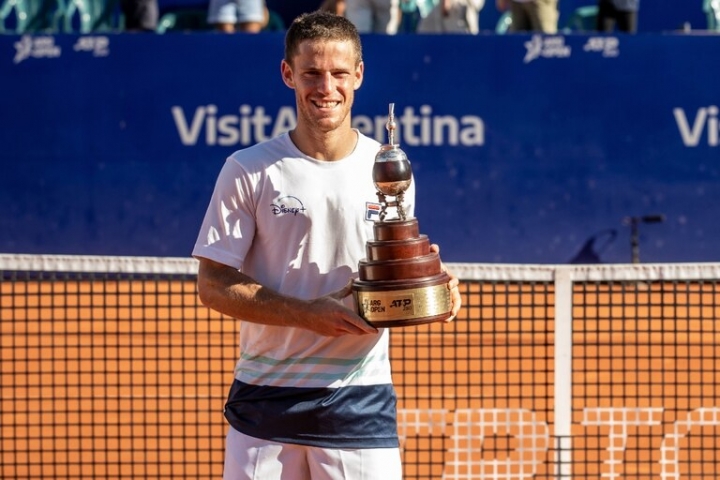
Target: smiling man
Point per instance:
(281, 240)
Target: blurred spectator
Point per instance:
(411, 12)
(140, 15)
(620, 13)
(230, 16)
(374, 16)
(333, 6)
(453, 16)
(531, 15)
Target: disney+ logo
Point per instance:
(287, 205)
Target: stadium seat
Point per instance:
(582, 20)
(503, 24)
(184, 20)
(85, 16)
(712, 13)
(275, 22)
(47, 16)
(13, 16)
(30, 16)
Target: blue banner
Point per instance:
(525, 149)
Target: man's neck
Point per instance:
(329, 146)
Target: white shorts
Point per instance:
(236, 11)
(249, 458)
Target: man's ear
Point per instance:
(359, 73)
(286, 72)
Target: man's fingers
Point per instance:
(353, 325)
(350, 322)
(453, 286)
(365, 327)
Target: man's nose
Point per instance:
(326, 83)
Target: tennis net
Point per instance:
(111, 368)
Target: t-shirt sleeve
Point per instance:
(228, 227)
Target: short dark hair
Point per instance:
(320, 25)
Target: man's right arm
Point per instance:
(230, 292)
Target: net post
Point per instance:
(563, 373)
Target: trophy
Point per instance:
(401, 281)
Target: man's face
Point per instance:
(324, 76)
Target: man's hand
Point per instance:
(332, 318)
(452, 285)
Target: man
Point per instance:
(282, 237)
(140, 15)
(620, 13)
(531, 15)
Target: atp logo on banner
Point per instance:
(546, 47)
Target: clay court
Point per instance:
(110, 376)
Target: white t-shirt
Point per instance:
(299, 226)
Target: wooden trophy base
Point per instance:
(401, 282)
